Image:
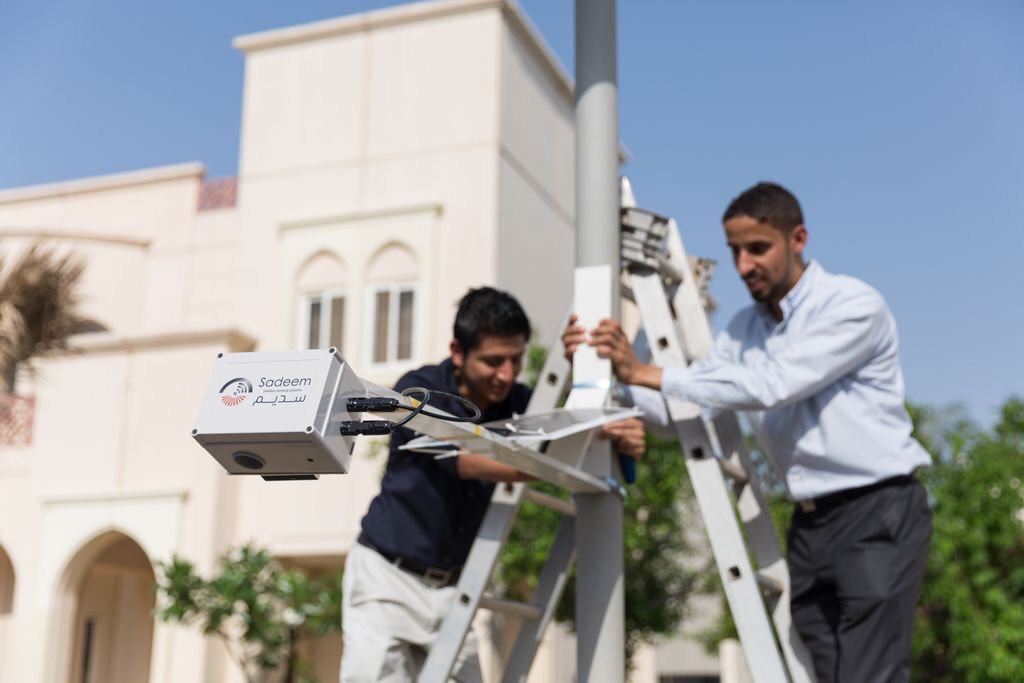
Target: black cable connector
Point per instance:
(371, 404)
(366, 427)
(380, 404)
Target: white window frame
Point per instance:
(394, 290)
(305, 303)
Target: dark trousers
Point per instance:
(856, 565)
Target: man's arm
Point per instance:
(475, 466)
(836, 343)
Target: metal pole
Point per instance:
(600, 607)
(597, 140)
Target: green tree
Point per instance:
(971, 614)
(256, 607)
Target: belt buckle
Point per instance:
(807, 505)
(438, 576)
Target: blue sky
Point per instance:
(900, 126)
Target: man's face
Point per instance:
(768, 260)
(485, 375)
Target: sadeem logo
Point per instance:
(235, 391)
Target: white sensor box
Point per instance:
(278, 414)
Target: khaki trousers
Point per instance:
(390, 620)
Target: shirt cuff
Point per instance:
(652, 406)
(447, 462)
(674, 383)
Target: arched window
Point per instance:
(322, 298)
(392, 280)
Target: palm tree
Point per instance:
(38, 309)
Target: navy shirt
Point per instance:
(424, 512)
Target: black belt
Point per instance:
(434, 575)
(832, 499)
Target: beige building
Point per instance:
(387, 162)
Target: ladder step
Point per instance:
(519, 609)
(566, 507)
(734, 471)
(768, 584)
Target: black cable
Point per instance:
(438, 416)
(413, 412)
(454, 418)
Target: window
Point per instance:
(393, 313)
(392, 285)
(324, 320)
(321, 303)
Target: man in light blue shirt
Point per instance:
(814, 363)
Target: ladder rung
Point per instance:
(769, 584)
(734, 471)
(551, 502)
(519, 609)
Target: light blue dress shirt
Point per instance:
(822, 389)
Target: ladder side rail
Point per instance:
(692, 320)
(764, 544)
(494, 530)
(553, 378)
(751, 502)
(476, 574)
(550, 585)
(479, 567)
(738, 580)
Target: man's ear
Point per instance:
(798, 239)
(457, 354)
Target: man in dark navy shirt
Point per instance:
(400, 576)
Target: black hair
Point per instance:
(486, 311)
(768, 203)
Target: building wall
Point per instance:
(536, 177)
(407, 115)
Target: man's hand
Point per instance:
(612, 343)
(573, 336)
(627, 437)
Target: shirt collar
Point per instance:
(801, 290)
(448, 376)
